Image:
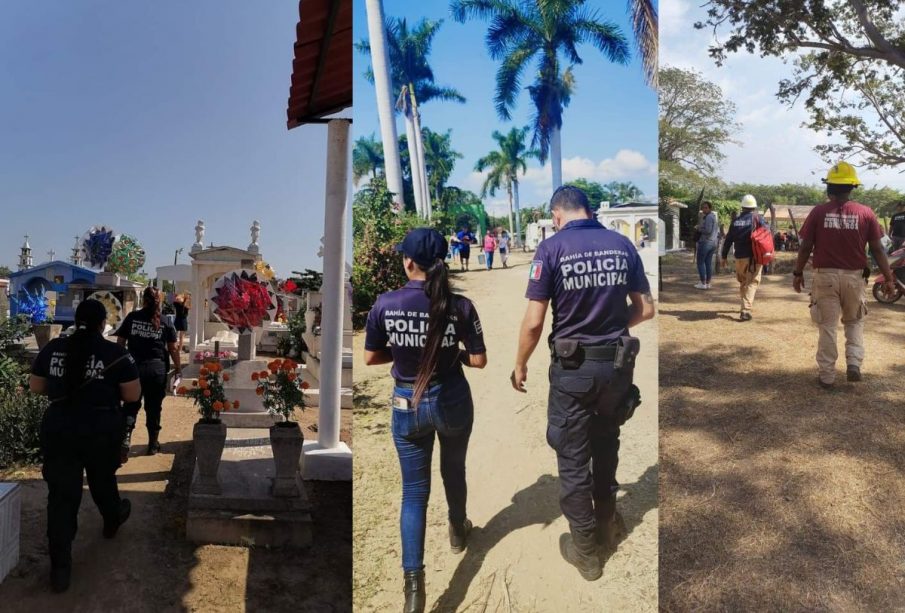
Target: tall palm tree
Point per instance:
(644, 24)
(413, 78)
(367, 158)
(550, 33)
(440, 159)
(504, 165)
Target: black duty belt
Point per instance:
(603, 353)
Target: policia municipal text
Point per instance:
(591, 389)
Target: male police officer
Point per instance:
(838, 232)
(747, 271)
(589, 273)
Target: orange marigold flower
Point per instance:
(204, 371)
(236, 404)
(218, 406)
(181, 390)
(287, 366)
(207, 393)
(226, 376)
(203, 384)
(264, 374)
(215, 367)
(291, 376)
(255, 376)
(305, 385)
(259, 391)
(274, 368)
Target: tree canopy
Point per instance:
(849, 67)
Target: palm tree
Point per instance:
(521, 32)
(367, 158)
(644, 23)
(440, 159)
(504, 165)
(408, 50)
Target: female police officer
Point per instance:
(85, 377)
(151, 341)
(418, 328)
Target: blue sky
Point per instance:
(773, 147)
(609, 129)
(148, 116)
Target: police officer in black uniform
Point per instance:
(590, 274)
(152, 342)
(86, 377)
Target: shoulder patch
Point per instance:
(535, 271)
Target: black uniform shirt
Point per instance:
(181, 310)
(587, 272)
(145, 342)
(398, 320)
(103, 372)
(740, 235)
(897, 225)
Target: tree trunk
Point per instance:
(556, 158)
(383, 85)
(419, 147)
(518, 215)
(511, 227)
(413, 162)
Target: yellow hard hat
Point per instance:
(842, 173)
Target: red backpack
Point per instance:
(761, 242)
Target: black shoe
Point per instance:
(153, 444)
(111, 527)
(458, 536)
(853, 373)
(580, 550)
(60, 568)
(745, 316)
(415, 598)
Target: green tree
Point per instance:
(5, 272)
(643, 15)
(695, 122)
(548, 33)
(594, 191)
(440, 159)
(849, 66)
(367, 158)
(503, 167)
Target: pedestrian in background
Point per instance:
(747, 271)
(489, 248)
(709, 229)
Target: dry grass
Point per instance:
(776, 494)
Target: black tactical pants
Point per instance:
(153, 379)
(76, 441)
(583, 429)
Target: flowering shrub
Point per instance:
(208, 393)
(280, 388)
(207, 356)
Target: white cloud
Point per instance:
(626, 165)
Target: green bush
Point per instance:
(20, 426)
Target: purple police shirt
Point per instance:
(398, 321)
(587, 272)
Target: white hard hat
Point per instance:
(749, 202)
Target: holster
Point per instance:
(626, 409)
(568, 352)
(627, 348)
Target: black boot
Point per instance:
(415, 597)
(458, 536)
(111, 526)
(153, 443)
(60, 568)
(580, 550)
(610, 529)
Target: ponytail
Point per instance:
(436, 286)
(89, 316)
(150, 300)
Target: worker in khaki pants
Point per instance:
(838, 232)
(747, 271)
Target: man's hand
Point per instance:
(518, 377)
(798, 283)
(890, 288)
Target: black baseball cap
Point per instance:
(423, 245)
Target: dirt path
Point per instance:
(513, 560)
(776, 495)
(151, 567)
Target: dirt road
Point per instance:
(513, 560)
(776, 494)
(150, 566)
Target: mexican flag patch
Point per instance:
(535, 270)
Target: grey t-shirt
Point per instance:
(709, 227)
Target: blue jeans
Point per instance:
(488, 257)
(447, 410)
(706, 251)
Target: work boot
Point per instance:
(827, 385)
(111, 527)
(415, 598)
(153, 443)
(610, 526)
(853, 373)
(745, 316)
(458, 536)
(60, 569)
(580, 550)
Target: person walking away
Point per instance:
(182, 303)
(418, 329)
(837, 233)
(897, 227)
(466, 240)
(83, 430)
(709, 228)
(152, 343)
(503, 246)
(589, 274)
(747, 271)
(454, 248)
(489, 248)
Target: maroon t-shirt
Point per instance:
(841, 234)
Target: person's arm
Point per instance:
(380, 356)
(37, 384)
(121, 341)
(40, 368)
(804, 253)
(173, 348)
(529, 336)
(727, 243)
(473, 360)
(642, 308)
(130, 391)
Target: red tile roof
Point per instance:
(321, 82)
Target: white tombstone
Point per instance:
(10, 513)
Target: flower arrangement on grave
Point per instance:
(209, 394)
(97, 246)
(33, 305)
(207, 356)
(281, 388)
(243, 301)
(126, 256)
